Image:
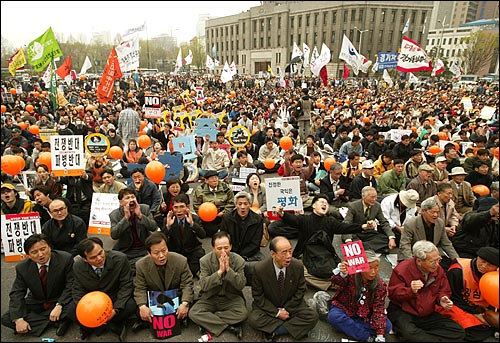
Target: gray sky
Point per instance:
(23, 21)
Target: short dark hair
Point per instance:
(241, 153)
(108, 171)
(355, 139)
(154, 238)
(296, 157)
(41, 188)
(220, 234)
(125, 191)
(320, 196)
(480, 163)
(86, 245)
(33, 239)
(441, 187)
(135, 170)
(398, 161)
(181, 198)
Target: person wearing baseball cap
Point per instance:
(463, 196)
(464, 276)
(365, 178)
(12, 203)
(440, 174)
(423, 183)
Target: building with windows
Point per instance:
(264, 35)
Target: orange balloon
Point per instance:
(82, 94)
(11, 164)
(347, 101)
(444, 96)
(443, 135)
(482, 190)
(286, 143)
(143, 125)
(94, 309)
(144, 141)
(36, 93)
(23, 126)
(269, 163)
(366, 120)
(382, 104)
(130, 95)
(29, 108)
(142, 133)
(496, 153)
(12, 91)
(116, 152)
(328, 163)
(45, 158)
(155, 171)
(34, 129)
(4, 108)
(332, 107)
(192, 93)
(435, 150)
(45, 92)
(83, 77)
(233, 93)
(209, 100)
(431, 120)
(42, 96)
(488, 285)
(207, 211)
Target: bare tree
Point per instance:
(477, 51)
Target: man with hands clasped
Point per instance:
(416, 286)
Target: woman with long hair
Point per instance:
(131, 155)
(258, 202)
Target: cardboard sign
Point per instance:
(283, 191)
(16, 228)
(239, 136)
(102, 205)
(355, 256)
(163, 306)
(67, 155)
(97, 145)
(152, 106)
(206, 126)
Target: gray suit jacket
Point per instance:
(356, 215)
(414, 231)
(121, 227)
(230, 285)
(177, 276)
(116, 279)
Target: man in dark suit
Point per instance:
(183, 228)
(278, 294)
(161, 270)
(107, 271)
(383, 239)
(336, 186)
(34, 306)
(131, 224)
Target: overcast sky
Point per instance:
(23, 21)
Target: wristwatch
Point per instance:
(185, 303)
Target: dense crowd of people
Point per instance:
(410, 196)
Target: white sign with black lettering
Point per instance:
(16, 228)
(67, 155)
(152, 106)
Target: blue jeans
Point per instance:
(354, 326)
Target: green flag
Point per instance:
(42, 50)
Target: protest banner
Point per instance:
(67, 155)
(16, 228)
(102, 205)
(283, 191)
(355, 256)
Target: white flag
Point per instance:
(210, 63)
(455, 69)
(412, 78)
(407, 26)
(322, 60)
(296, 52)
(412, 57)
(128, 53)
(217, 63)
(226, 75)
(314, 55)
(282, 77)
(189, 58)
(438, 68)
(232, 68)
(86, 66)
(178, 63)
(387, 78)
(349, 54)
(365, 65)
(47, 75)
(375, 67)
(135, 29)
(307, 52)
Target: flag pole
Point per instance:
(147, 47)
(53, 84)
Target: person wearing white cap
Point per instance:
(463, 196)
(365, 178)
(399, 208)
(423, 183)
(440, 174)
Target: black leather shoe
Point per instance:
(63, 327)
(236, 330)
(123, 333)
(84, 333)
(100, 330)
(185, 322)
(120, 329)
(139, 325)
(269, 337)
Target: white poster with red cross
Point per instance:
(355, 256)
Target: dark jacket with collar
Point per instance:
(246, 235)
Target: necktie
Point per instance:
(98, 271)
(367, 213)
(281, 284)
(43, 278)
(181, 230)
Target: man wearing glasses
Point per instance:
(64, 230)
(416, 286)
(429, 226)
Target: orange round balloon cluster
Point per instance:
(144, 141)
(45, 158)
(94, 309)
(482, 190)
(116, 152)
(488, 285)
(286, 143)
(269, 163)
(328, 163)
(155, 171)
(12, 164)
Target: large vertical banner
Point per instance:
(67, 155)
(16, 228)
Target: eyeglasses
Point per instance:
(58, 210)
(436, 261)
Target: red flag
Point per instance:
(323, 73)
(111, 72)
(65, 68)
(346, 71)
